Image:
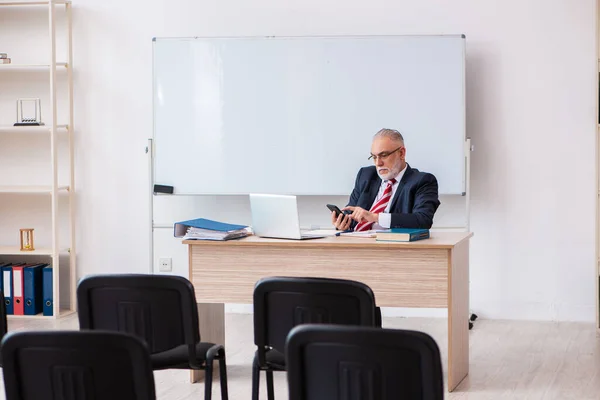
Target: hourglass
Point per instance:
(27, 240)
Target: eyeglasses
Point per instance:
(383, 155)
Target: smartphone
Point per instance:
(337, 210)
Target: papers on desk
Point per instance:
(362, 234)
(205, 229)
(207, 234)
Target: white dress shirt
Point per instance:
(385, 218)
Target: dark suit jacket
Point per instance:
(414, 203)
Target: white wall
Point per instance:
(531, 92)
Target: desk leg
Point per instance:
(212, 329)
(458, 315)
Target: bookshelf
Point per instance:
(54, 82)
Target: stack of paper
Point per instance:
(206, 229)
(207, 234)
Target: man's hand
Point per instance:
(362, 215)
(342, 222)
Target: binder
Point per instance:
(33, 289)
(17, 273)
(180, 228)
(2, 265)
(7, 283)
(47, 290)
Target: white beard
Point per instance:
(392, 172)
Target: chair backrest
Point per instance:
(360, 363)
(159, 309)
(280, 303)
(76, 365)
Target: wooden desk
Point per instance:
(432, 273)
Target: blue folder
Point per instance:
(32, 289)
(47, 290)
(180, 228)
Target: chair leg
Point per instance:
(255, 380)
(223, 373)
(270, 389)
(208, 377)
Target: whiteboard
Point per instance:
(296, 115)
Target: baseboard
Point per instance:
(534, 311)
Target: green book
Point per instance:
(402, 235)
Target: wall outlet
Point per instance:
(165, 264)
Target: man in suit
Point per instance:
(390, 194)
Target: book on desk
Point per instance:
(401, 235)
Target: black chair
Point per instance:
(349, 362)
(159, 309)
(76, 365)
(280, 303)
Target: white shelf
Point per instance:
(31, 66)
(30, 189)
(31, 129)
(58, 73)
(16, 251)
(32, 3)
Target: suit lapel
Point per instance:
(403, 181)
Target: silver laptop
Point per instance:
(276, 216)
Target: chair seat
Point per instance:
(178, 358)
(275, 360)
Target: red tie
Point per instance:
(377, 207)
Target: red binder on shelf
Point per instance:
(18, 301)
